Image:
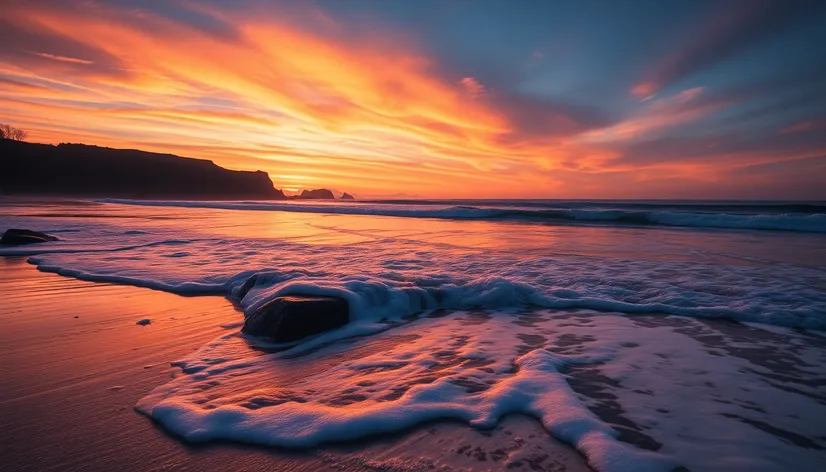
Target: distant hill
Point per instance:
(81, 170)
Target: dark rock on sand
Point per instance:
(246, 287)
(347, 196)
(294, 317)
(25, 236)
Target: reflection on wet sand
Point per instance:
(72, 353)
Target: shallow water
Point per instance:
(75, 363)
(541, 319)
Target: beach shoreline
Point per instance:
(71, 384)
(472, 345)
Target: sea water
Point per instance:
(613, 323)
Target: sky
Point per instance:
(678, 99)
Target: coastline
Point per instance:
(73, 384)
(70, 385)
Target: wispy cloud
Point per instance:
(684, 107)
(473, 87)
(321, 106)
(733, 27)
(56, 57)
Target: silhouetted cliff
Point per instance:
(81, 170)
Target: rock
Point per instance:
(347, 196)
(246, 287)
(294, 317)
(320, 194)
(144, 322)
(25, 236)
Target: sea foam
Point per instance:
(774, 294)
(493, 357)
(629, 394)
(427, 377)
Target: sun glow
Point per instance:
(315, 105)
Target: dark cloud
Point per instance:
(197, 16)
(714, 147)
(753, 117)
(39, 48)
(809, 164)
(19, 84)
(799, 179)
(737, 26)
(534, 118)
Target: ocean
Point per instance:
(647, 335)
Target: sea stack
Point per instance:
(317, 194)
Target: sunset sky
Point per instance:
(439, 99)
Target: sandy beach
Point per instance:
(412, 236)
(75, 363)
(472, 345)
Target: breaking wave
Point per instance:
(782, 217)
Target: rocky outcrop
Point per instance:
(92, 171)
(24, 236)
(347, 196)
(291, 318)
(317, 194)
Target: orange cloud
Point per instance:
(645, 90)
(275, 98)
(681, 108)
(62, 58)
(473, 87)
(366, 115)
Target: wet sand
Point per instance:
(74, 363)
